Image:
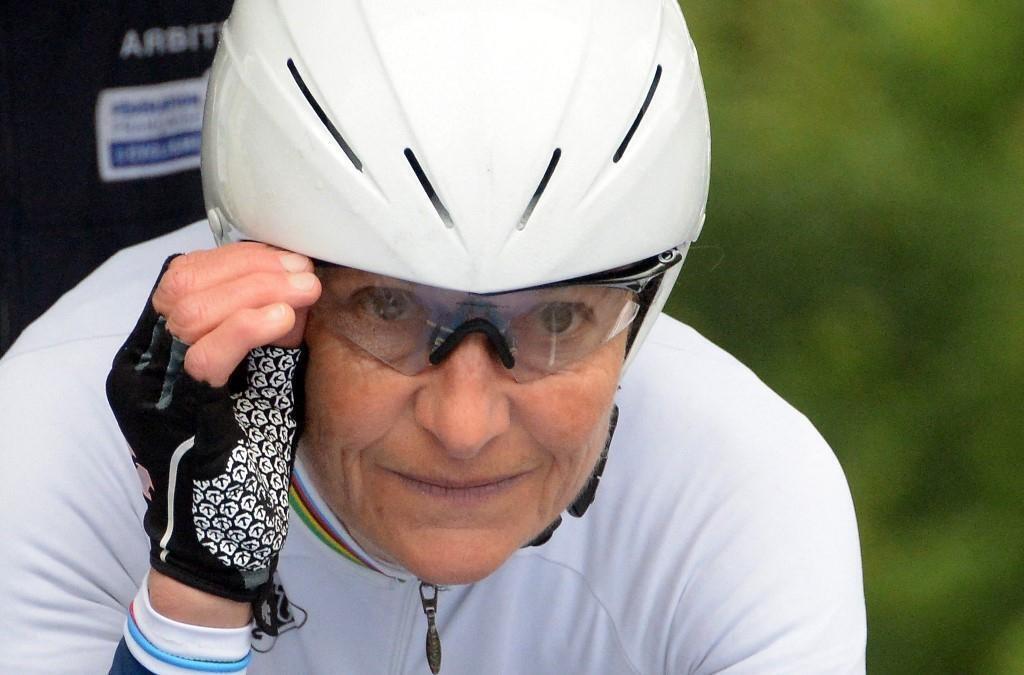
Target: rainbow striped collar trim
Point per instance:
(304, 504)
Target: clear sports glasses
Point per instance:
(534, 332)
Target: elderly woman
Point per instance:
(446, 229)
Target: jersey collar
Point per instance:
(318, 518)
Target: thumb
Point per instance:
(294, 337)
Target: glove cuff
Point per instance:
(222, 582)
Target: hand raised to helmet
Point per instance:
(219, 455)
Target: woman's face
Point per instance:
(448, 472)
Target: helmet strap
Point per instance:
(586, 496)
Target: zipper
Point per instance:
(429, 601)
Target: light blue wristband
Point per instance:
(180, 662)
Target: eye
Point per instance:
(387, 304)
(561, 318)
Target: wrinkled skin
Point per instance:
(449, 472)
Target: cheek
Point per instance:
(351, 400)
(568, 415)
(576, 433)
(568, 410)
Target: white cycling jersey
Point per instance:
(722, 538)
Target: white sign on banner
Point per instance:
(150, 130)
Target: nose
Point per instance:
(464, 403)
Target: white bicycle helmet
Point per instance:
(475, 145)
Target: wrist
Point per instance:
(162, 645)
(182, 603)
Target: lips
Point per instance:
(471, 489)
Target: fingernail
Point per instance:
(303, 281)
(293, 262)
(275, 313)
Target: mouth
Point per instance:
(460, 490)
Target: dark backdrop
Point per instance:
(59, 217)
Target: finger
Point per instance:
(194, 316)
(215, 356)
(295, 336)
(141, 339)
(202, 270)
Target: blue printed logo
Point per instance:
(156, 151)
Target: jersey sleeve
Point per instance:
(752, 554)
(126, 664)
(779, 588)
(71, 512)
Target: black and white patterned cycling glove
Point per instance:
(220, 458)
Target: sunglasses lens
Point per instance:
(400, 323)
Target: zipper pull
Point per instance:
(433, 639)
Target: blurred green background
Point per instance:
(863, 254)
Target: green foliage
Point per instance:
(864, 254)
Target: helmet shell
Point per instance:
(482, 92)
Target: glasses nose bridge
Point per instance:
(473, 368)
(490, 334)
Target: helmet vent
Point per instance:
(323, 116)
(439, 206)
(540, 188)
(640, 115)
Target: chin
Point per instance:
(457, 558)
(449, 576)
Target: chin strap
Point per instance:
(586, 496)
